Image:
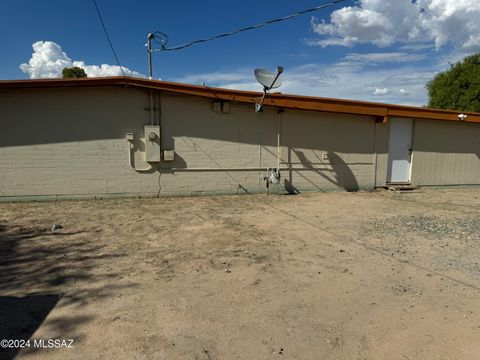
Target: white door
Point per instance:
(400, 150)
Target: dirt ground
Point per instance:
(315, 276)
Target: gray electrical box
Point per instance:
(168, 155)
(152, 143)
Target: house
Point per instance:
(122, 136)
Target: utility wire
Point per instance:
(164, 38)
(108, 37)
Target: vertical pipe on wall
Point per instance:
(278, 150)
(260, 153)
(279, 132)
(159, 117)
(151, 107)
(158, 107)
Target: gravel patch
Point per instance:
(403, 235)
(463, 229)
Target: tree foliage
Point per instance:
(457, 88)
(73, 72)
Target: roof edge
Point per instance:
(297, 102)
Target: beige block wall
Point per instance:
(215, 152)
(244, 138)
(64, 142)
(446, 153)
(71, 142)
(328, 151)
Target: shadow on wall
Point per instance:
(289, 187)
(20, 317)
(342, 173)
(179, 162)
(109, 113)
(336, 171)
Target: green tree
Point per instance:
(457, 88)
(73, 72)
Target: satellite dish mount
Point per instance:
(269, 81)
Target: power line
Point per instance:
(164, 37)
(108, 37)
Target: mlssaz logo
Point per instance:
(53, 343)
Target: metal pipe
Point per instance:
(151, 107)
(244, 169)
(218, 169)
(149, 44)
(278, 150)
(130, 159)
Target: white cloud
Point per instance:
(214, 77)
(416, 47)
(48, 60)
(384, 57)
(336, 80)
(386, 22)
(381, 91)
(105, 70)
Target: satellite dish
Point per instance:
(268, 79)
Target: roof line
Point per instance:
(297, 102)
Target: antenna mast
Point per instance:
(150, 37)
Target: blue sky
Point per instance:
(377, 50)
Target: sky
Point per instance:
(375, 50)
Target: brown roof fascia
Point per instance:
(295, 102)
(312, 103)
(53, 83)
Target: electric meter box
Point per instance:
(152, 143)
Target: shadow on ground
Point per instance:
(41, 270)
(20, 317)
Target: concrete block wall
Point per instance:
(68, 143)
(445, 153)
(328, 151)
(90, 167)
(245, 139)
(238, 144)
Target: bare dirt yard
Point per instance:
(315, 276)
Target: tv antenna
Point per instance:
(269, 81)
